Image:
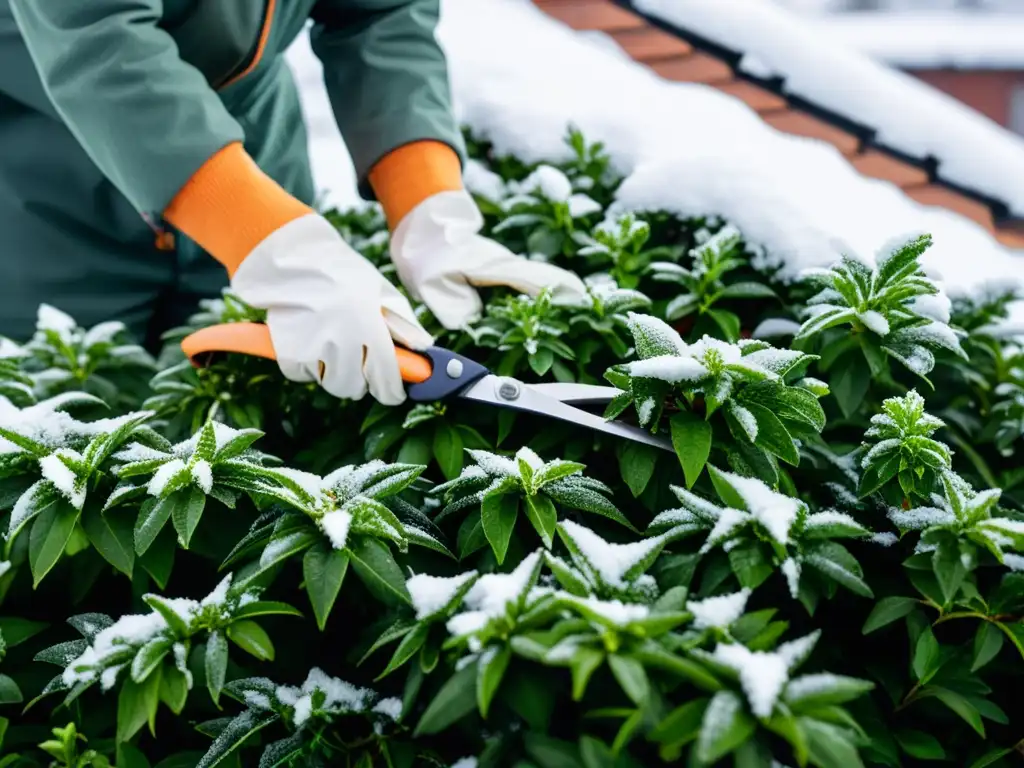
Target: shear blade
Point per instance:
(511, 393)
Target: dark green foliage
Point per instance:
(824, 574)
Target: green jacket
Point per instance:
(152, 88)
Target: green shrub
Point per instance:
(230, 569)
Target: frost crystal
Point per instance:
(491, 596)
(610, 561)
(202, 474)
(163, 476)
(550, 182)
(390, 707)
(339, 697)
(430, 594)
(920, 518)
(5, 566)
(762, 675)
(718, 612)
(63, 477)
(615, 611)
(791, 570)
(774, 511)
(335, 525)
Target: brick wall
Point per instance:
(989, 92)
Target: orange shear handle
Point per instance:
(254, 339)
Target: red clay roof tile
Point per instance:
(802, 124)
(696, 68)
(933, 194)
(879, 165)
(650, 43)
(676, 59)
(592, 14)
(757, 98)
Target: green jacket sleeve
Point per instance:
(146, 118)
(386, 76)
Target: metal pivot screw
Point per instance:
(508, 390)
(454, 368)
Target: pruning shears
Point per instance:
(437, 374)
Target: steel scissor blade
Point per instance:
(511, 393)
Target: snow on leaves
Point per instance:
(320, 701)
(763, 530)
(905, 448)
(504, 486)
(889, 302)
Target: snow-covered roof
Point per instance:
(931, 40)
(685, 148)
(972, 151)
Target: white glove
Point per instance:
(440, 257)
(327, 304)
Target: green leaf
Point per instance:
(448, 450)
(987, 643)
(251, 638)
(636, 465)
(50, 534)
(991, 757)
(174, 620)
(838, 690)
(186, 512)
(583, 664)
(830, 746)
(174, 689)
(455, 700)
(948, 567)
(789, 403)
(376, 568)
(886, 611)
(681, 725)
(10, 693)
(849, 382)
(237, 731)
(725, 726)
(323, 570)
(15, 630)
(691, 439)
(110, 533)
(411, 643)
(265, 608)
(216, 664)
(919, 744)
(773, 436)
(631, 676)
(158, 561)
(149, 657)
(136, 705)
(958, 704)
(540, 511)
(728, 322)
(153, 516)
(498, 514)
(836, 562)
(926, 656)
(490, 671)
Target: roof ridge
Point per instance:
(619, 18)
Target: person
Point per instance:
(139, 138)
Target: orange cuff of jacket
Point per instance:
(407, 176)
(230, 206)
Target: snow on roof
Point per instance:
(685, 148)
(931, 40)
(910, 116)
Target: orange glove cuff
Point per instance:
(407, 176)
(229, 206)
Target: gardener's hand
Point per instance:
(440, 259)
(327, 304)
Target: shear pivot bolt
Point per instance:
(508, 390)
(453, 369)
